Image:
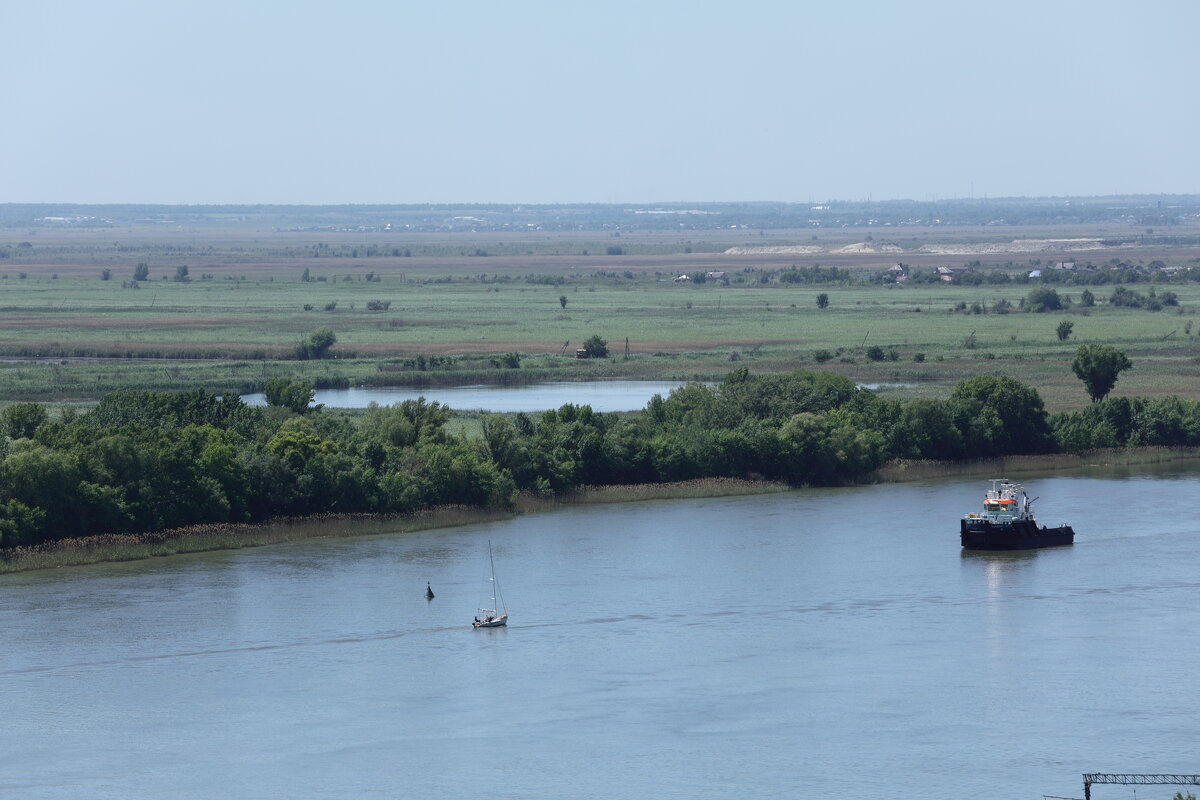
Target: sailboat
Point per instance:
(497, 615)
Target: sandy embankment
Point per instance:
(1014, 247)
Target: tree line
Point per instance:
(144, 461)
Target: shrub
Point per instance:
(596, 347)
(1043, 298)
(506, 361)
(316, 344)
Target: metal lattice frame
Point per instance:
(1126, 779)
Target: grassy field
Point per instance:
(68, 336)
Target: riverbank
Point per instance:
(230, 536)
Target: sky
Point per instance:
(217, 101)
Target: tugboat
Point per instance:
(1007, 522)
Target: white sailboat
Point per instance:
(497, 615)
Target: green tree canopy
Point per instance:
(293, 395)
(595, 346)
(999, 415)
(1098, 366)
(1043, 298)
(316, 344)
(21, 420)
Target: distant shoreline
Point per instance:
(108, 548)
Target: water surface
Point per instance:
(600, 395)
(826, 643)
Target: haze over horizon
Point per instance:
(537, 102)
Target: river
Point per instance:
(819, 643)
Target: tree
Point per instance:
(596, 347)
(999, 415)
(141, 272)
(562, 300)
(1042, 299)
(316, 344)
(21, 420)
(1064, 330)
(822, 300)
(181, 274)
(1098, 366)
(294, 395)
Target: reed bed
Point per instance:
(629, 493)
(231, 536)
(908, 470)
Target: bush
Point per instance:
(596, 347)
(1043, 299)
(506, 361)
(316, 344)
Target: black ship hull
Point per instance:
(979, 534)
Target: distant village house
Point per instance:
(948, 274)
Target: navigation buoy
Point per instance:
(428, 591)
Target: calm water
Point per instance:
(831, 643)
(600, 395)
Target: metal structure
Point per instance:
(1126, 779)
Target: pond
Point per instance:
(600, 395)
(616, 395)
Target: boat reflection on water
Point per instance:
(1000, 567)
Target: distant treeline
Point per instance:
(145, 461)
(1136, 210)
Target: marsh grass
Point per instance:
(902, 471)
(203, 538)
(628, 493)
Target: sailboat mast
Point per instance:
(495, 586)
(492, 562)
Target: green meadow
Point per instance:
(442, 316)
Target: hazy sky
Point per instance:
(559, 102)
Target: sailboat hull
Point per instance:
(499, 622)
